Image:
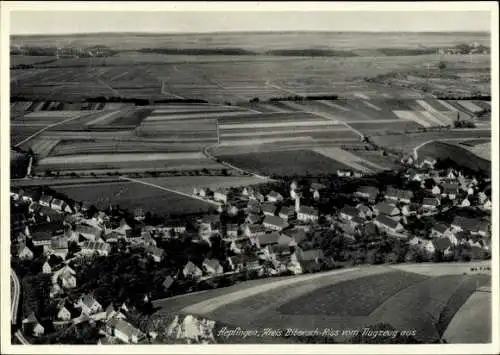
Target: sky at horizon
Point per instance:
(73, 22)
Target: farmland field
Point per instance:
(351, 298)
(131, 195)
(382, 128)
(297, 162)
(187, 183)
(406, 143)
(218, 81)
(129, 162)
(462, 156)
(358, 297)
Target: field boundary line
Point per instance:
(126, 178)
(164, 92)
(341, 122)
(415, 150)
(220, 161)
(37, 133)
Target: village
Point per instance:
(258, 231)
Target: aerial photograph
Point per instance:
(290, 177)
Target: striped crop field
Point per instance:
(350, 159)
(378, 128)
(470, 106)
(77, 135)
(42, 146)
(129, 162)
(407, 142)
(196, 115)
(295, 118)
(45, 118)
(130, 146)
(132, 195)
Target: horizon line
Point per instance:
(244, 32)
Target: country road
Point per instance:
(15, 307)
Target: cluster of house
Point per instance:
(389, 210)
(116, 329)
(272, 239)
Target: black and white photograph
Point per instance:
(280, 175)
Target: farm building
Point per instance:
(388, 224)
(274, 223)
(287, 212)
(269, 208)
(212, 267)
(430, 203)
(307, 214)
(386, 208)
(191, 270)
(91, 247)
(274, 196)
(348, 212)
(368, 192)
(394, 194)
(88, 304)
(124, 331)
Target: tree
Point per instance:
(442, 65)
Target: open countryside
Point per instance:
(168, 187)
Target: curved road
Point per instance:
(15, 306)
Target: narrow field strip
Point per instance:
(344, 157)
(447, 105)
(114, 158)
(279, 124)
(105, 116)
(410, 116)
(298, 131)
(196, 116)
(360, 95)
(470, 106)
(432, 118)
(370, 105)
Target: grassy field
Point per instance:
(359, 297)
(407, 142)
(471, 324)
(428, 312)
(233, 79)
(131, 195)
(462, 156)
(127, 161)
(187, 183)
(298, 162)
(341, 299)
